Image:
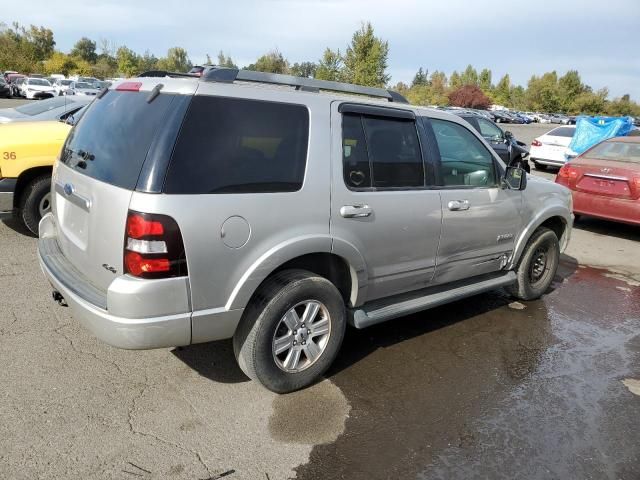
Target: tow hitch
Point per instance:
(57, 296)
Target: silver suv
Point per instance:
(274, 210)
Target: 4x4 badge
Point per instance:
(109, 267)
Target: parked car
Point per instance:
(36, 88)
(605, 180)
(5, 89)
(548, 150)
(28, 150)
(503, 143)
(16, 84)
(560, 118)
(56, 108)
(188, 210)
(61, 85)
(501, 116)
(82, 88)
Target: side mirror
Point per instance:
(70, 120)
(515, 178)
(508, 135)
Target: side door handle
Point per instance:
(457, 205)
(356, 211)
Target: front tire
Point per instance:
(291, 331)
(35, 202)
(537, 266)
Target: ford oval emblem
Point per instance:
(68, 189)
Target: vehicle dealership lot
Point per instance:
(483, 387)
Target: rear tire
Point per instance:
(268, 326)
(35, 202)
(537, 266)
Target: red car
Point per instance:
(605, 180)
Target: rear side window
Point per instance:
(229, 145)
(562, 132)
(383, 153)
(111, 142)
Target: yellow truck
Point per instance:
(27, 153)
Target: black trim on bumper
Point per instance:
(8, 184)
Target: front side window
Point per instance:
(488, 130)
(381, 153)
(230, 145)
(464, 160)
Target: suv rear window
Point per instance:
(111, 142)
(230, 145)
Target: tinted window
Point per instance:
(229, 145)
(44, 105)
(562, 132)
(355, 159)
(111, 142)
(488, 130)
(381, 152)
(40, 82)
(464, 160)
(618, 151)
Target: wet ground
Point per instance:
(488, 389)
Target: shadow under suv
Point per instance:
(274, 210)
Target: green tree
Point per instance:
(304, 69)
(147, 62)
(469, 76)
(176, 60)
(420, 78)
(570, 86)
(438, 89)
(502, 90)
(42, 40)
(225, 61)
(330, 66)
(127, 61)
(271, 62)
(59, 63)
(484, 80)
(85, 49)
(365, 61)
(590, 102)
(543, 93)
(455, 80)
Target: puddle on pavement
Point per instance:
(464, 389)
(312, 416)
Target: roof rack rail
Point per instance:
(164, 73)
(229, 75)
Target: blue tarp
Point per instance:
(593, 130)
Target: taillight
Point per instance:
(153, 246)
(567, 175)
(536, 143)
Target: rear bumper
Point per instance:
(548, 162)
(608, 208)
(7, 189)
(97, 310)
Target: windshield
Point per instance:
(39, 81)
(43, 106)
(618, 151)
(65, 82)
(83, 85)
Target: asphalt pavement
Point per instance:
(483, 388)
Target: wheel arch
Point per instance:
(344, 268)
(555, 218)
(25, 178)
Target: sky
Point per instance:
(600, 39)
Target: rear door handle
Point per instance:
(457, 205)
(356, 211)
